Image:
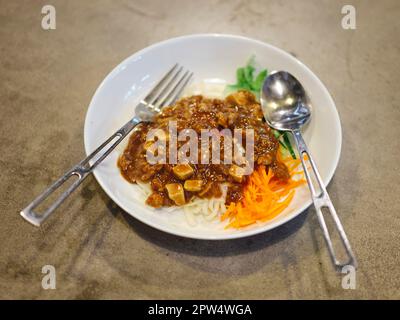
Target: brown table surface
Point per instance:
(47, 80)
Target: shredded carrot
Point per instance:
(264, 196)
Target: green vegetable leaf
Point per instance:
(246, 79)
(258, 82)
(248, 75)
(288, 144)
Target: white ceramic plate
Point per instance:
(213, 58)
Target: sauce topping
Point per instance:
(177, 184)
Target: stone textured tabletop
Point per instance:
(47, 80)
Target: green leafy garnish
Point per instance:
(288, 144)
(246, 80)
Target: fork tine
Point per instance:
(167, 88)
(177, 90)
(159, 86)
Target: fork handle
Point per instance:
(322, 200)
(81, 171)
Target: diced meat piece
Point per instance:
(149, 170)
(157, 184)
(265, 159)
(236, 173)
(222, 119)
(280, 171)
(232, 117)
(206, 188)
(123, 162)
(155, 200)
(234, 194)
(193, 185)
(183, 171)
(211, 189)
(176, 193)
(241, 98)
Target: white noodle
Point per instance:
(197, 209)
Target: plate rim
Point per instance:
(245, 233)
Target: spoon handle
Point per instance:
(322, 200)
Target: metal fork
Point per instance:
(165, 92)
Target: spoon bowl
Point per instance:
(284, 102)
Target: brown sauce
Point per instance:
(171, 186)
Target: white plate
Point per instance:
(215, 57)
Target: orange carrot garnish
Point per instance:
(264, 196)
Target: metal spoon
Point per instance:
(285, 106)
